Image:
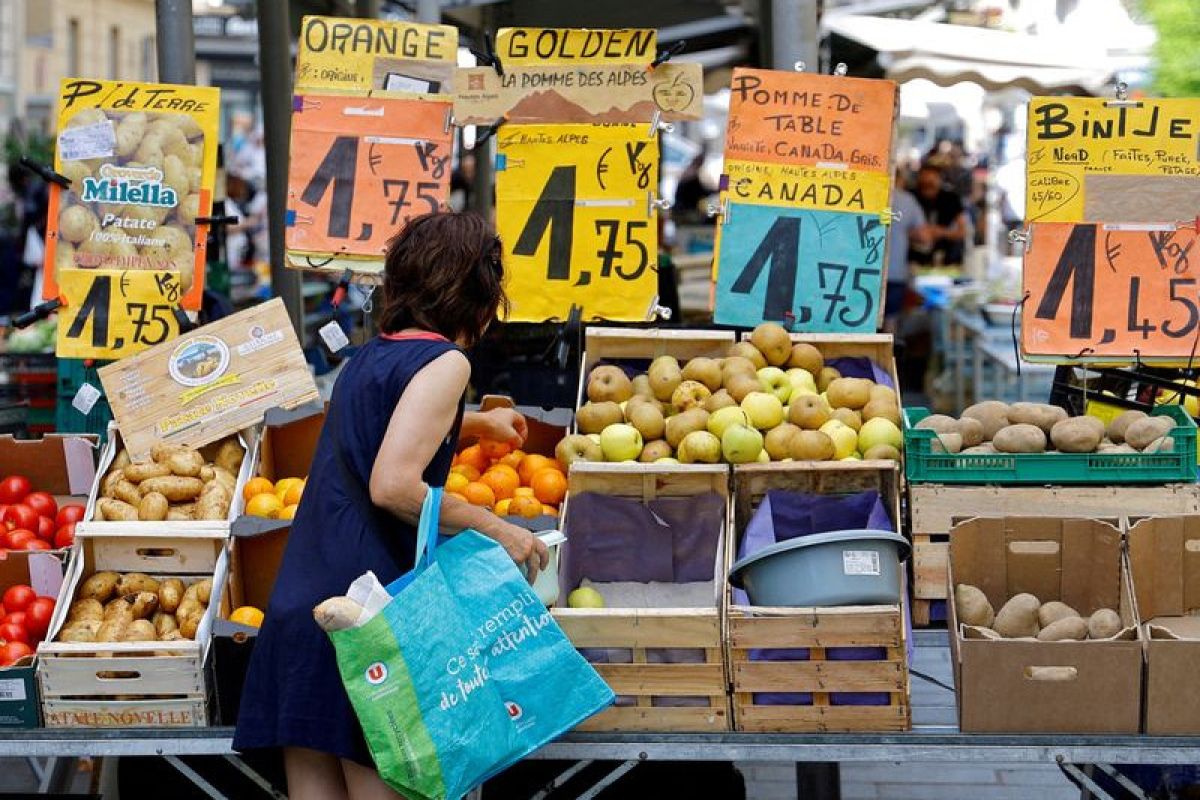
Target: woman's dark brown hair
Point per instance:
(443, 273)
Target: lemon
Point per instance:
(264, 505)
(283, 485)
(288, 512)
(257, 486)
(247, 615)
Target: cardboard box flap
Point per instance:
(59, 464)
(1173, 629)
(1164, 557)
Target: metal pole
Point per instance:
(176, 41)
(794, 34)
(367, 9)
(429, 11)
(275, 64)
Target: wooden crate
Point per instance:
(640, 630)
(936, 508)
(814, 629)
(152, 683)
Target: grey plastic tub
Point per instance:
(838, 568)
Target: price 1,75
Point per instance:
(110, 314)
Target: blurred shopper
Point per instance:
(691, 194)
(908, 230)
(947, 218)
(24, 277)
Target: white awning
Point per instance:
(950, 54)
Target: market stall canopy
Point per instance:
(949, 54)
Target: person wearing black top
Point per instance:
(946, 216)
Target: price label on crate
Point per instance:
(118, 312)
(815, 270)
(360, 169)
(1115, 291)
(577, 220)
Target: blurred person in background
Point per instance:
(21, 280)
(691, 194)
(907, 231)
(946, 216)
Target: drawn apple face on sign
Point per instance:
(674, 95)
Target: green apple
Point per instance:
(585, 597)
(621, 442)
(666, 460)
(699, 447)
(877, 431)
(763, 457)
(802, 380)
(845, 440)
(764, 410)
(775, 381)
(722, 418)
(741, 444)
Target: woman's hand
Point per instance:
(505, 425)
(524, 548)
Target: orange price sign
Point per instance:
(1110, 292)
(360, 169)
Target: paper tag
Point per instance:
(860, 562)
(333, 336)
(12, 689)
(85, 399)
(97, 140)
(81, 467)
(45, 574)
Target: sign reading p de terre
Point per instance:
(213, 382)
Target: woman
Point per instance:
(393, 423)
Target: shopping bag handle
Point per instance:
(427, 528)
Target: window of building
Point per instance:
(114, 52)
(74, 68)
(148, 65)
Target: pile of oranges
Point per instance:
(277, 500)
(510, 482)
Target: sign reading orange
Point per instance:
(1099, 292)
(804, 118)
(360, 169)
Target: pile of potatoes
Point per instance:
(1026, 617)
(994, 427)
(135, 607)
(177, 484)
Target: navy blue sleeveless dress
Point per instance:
(293, 695)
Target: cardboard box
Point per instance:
(1164, 568)
(19, 707)
(285, 449)
(1027, 686)
(63, 465)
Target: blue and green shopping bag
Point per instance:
(464, 672)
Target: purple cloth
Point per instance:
(861, 367)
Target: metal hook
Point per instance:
(369, 301)
(841, 69)
(798, 66)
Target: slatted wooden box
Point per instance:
(831, 683)
(648, 685)
(133, 684)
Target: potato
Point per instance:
(938, 423)
(1020, 438)
(189, 624)
(1117, 428)
(1163, 444)
(99, 587)
(160, 451)
(182, 513)
(187, 607)
(109, 484)
(226, 478)
(170, 594)
(1019, 616)
(140, 630)
(136, 473)
(214, 502)
(144, 604)
(127, 493)
(1142, 432)
(134, 582)
(971, 431)
(1077, 435)
(230, 455)
(207, 473)
(1104, 624)
(118, 608)
(992, 414)
(337, 613)
(121, 461)
(1043, 415)
(153, 507)
(1067, 628)
(116, 510)
(947, 443)
(972, 606)
(1053, 611)
(172, 635)
(185, 463)
(83, 630)
(174, 488)
(86, 609)
(164, 623)
(77, 224)
(202, 590)
(112, 630)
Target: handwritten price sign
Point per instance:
(119, 312)
(360, 169)
(575, 216)
(817, 270)
(1098, 291)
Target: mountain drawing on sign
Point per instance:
(550, 106)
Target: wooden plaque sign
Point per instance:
(210, 383)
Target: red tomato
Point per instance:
(66, 515)
(20, 516)
(64, 536)
(17, 539)
(15, 618)
(14, 633)
(38, 544)
(13, 652)
(43, 503)
(45, 529)
(18, 598)
(14, 488)
(37, 617)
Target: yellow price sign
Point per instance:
(803, 186)
(541, 46)
(577, 219)
(118, 313)
(379, 57)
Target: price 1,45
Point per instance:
(110, 314)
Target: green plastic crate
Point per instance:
(73, 373)
(922, 465)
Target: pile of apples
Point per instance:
(32, 520)
(24, 620)
(509, 482)
(768, 399)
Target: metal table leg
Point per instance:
(195, 777)
(608, 780)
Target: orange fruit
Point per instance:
(456, 482)
(513, 459)
(458, 496)
(467, 471)
(531, 465)
(247, 615)
(454, 460)
(525, 507)
(474, 457)
(288, 512)
(292, 496)
(550, 511)
(549, 486)
(523, 491)
(257, 486)
(264, 505)
(479, 494)
(501, 508)
(500, 482)
(494, 450)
